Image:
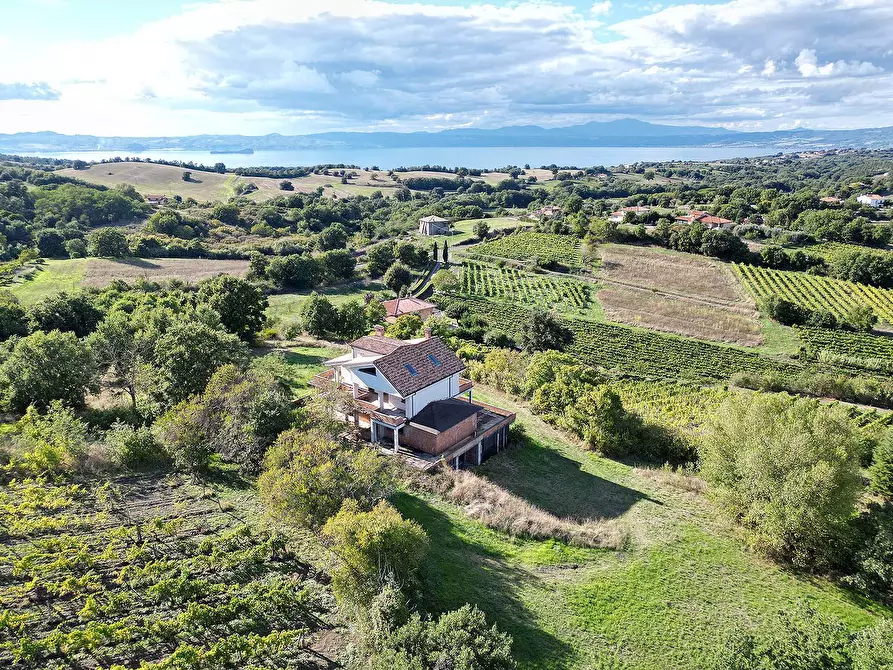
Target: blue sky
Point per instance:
(141, 67)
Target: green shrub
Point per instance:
(375, 547)
(134, 447)
(873, 647)
(787, 470)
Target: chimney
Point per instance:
(427, 333)
(379, 330)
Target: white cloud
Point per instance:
(284, 66)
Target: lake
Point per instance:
(472, 157)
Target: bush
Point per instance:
(405, 327)
(134, 447)
(181, 432)
(68, 312)
(55, 442)
(241, 305)
(459, 640)
(307, 476)
(787, 470)
(376, 547)
(544, 330)
(318, 316)
(76, 248)
(873, 647)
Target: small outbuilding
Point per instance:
(401, 306)
(434, 225)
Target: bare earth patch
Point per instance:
(101, 272)
(680, 274)
(736, 325)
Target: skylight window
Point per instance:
(433, 359)
(412, 371)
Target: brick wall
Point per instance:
(422, 440)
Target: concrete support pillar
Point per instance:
(356, 419)
(480, 452)
(396, 440)
(373, 427)
(469, 395)
(456, 463)
(380, 400)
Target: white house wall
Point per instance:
(445, 388)
(375, 382)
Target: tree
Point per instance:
(43, 367)
(108, 243)
(76, 248)
(332, 237)
(544, 330)
(379, 258)
(722, 243)
(286, 185)
(318, 316)
(307, 476)
(117, 349)
(50, 244)
(882, 468)
(180, 432)
(240, 304)
(351, 320)
(405, 327)
(445, 281)
(186, 356)
(375, 313)
(338, 264)
(239, 415)
(187, 176)
(481, 229)
(787, 470)
(376, 547)
(68, 312)
(445, 255)
(434, 251)
(13, 317)
(397, 277)
(296, 271)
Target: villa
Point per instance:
(409, 395)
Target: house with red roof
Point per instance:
(400, 306)
(410, 396)
(705, 218)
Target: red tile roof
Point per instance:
(400, 306)
(378, 344)
(705, 218)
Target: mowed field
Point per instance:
(154, 178)
(677, 293)
(55, 276)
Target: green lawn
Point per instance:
(285, 306)
(52, 277)
(305, 360)
(664, 603)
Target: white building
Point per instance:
(872, 200)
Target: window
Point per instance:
(412, 371)
(433, 359)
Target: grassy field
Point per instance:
(664, 603)
(464, 230)
(286, 305)
(305, 359)
(54, 276)
(154, 178)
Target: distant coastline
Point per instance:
(245, 152)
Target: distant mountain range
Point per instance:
(621, 133)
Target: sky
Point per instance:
(251, 67)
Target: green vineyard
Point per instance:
(636, 351)
(146, 574)
(870, 352)
(545, 247)
(815, 292)
(510, 283)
